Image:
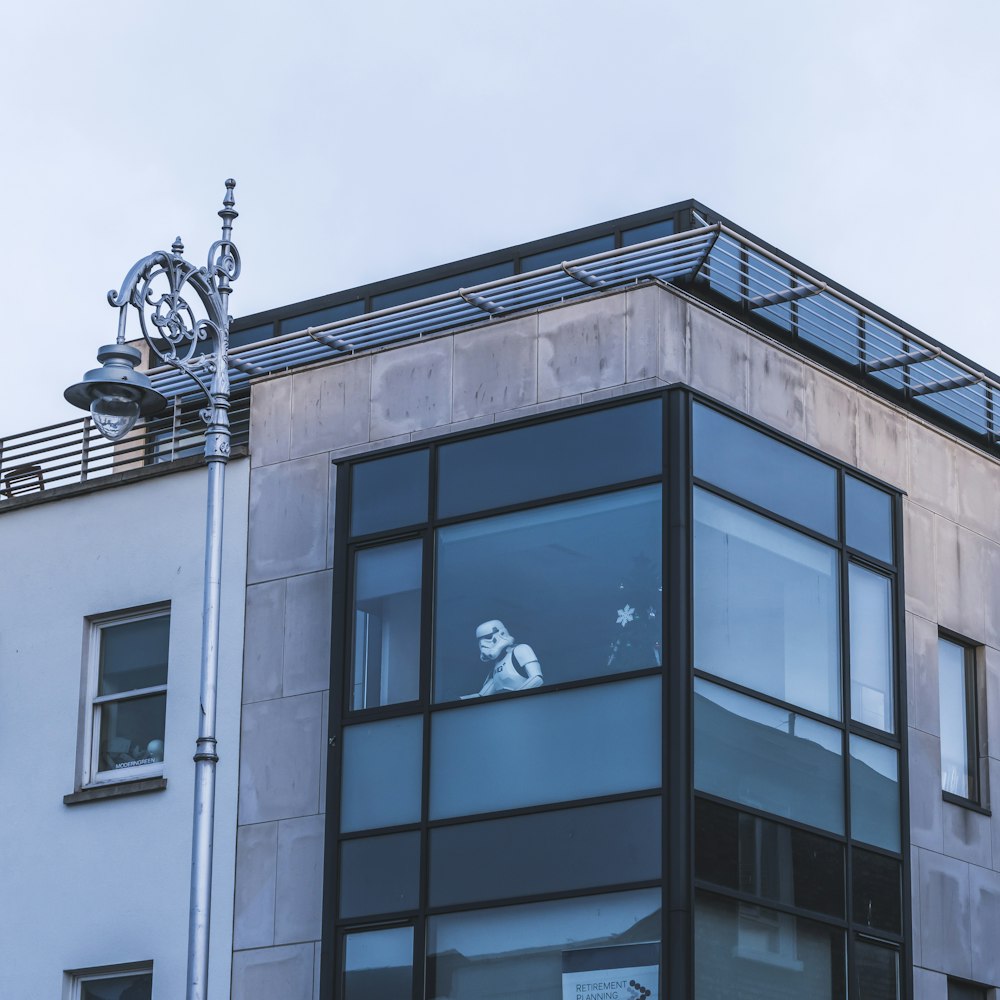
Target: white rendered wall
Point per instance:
(106, 882)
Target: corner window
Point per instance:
(134, 982)
(127, 697)
(959, 732)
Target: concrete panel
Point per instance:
(719, 358)
(581, 347)
(262, 641)
(299, 895)
(993, 778)
(984, 893)
(832, 419)
(411, 388)
(929, 985)
(256, 859)
(882, 442)
(988, 664)
(324, 758)
(270, 421)
(967, 835)
(308, 611)
(496, 368)
(978, 477)
(945, 915)
(961, 581)
(933, 469)
(915, 902)
(923, 708)
(780, 388)
(918, 554)
(280, 758)
(289, 507)
(991, 597)
(266, 973)
(330, 407)
(675, 337)
(642, 333)
(925, 791)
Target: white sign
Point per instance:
(612, 979)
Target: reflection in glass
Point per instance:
(754, 953)
(767, 757)
(584, 848)
(956, 683)
(134, 655)
(386, 646)
(868, 513)
(381, 776)
(549, 747)
(378, 965)
(766, 606)
(526, 951)
(132, 732)
(876, 971)
(651, 231)
(574, 251)
(871, 648)
(578, 583)
(389, 492)
(874, 793)
(764, 471)
(135, 987)
(379, 874)
(876, 891)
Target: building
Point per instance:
(618, 623)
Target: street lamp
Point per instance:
(196, 342)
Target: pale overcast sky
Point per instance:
(375, 138)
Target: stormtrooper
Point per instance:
(516, 667)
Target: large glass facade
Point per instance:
(504, 797)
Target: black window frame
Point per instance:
(974, 723)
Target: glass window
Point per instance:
(754, 953)
(379, 874)
(876, 971)
(251, 335)
(128, 698)
(389, 492)
(378, 965)
(617, 842)
(723, 268)
(441, 286)
(959, 750)
(575, 453)
(779, 863)
(965, 991)
(548, 595)
(556, 747)
(574, 251)
(131, 985)
(871, 648)
(386, 642)
(764, 471)
(767, 757)
(381, 775)
(766, 606)
(320, 317)
(877, 897)
(651, 231)
(547, 950)
(874, 793)
(868, 512)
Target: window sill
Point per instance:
(115, 790)
(957, 800)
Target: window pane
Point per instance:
(876, 971)
(871, 648)
(441, 286)
(134, 655)
(651, 231)
(381, 779)
(876, 891)
(775, 862)
(874, 793)
(549, 748)
(958, 764)
(767, 757)
(574, 251)
(766, 606)
(389, 492)
(547, 852)
(764, 471)
(543, 950)
(137, 987)
(574, 453)
(319, 317)
(748, 951)
(965, 991)
(378, 965)
(131, 732)
(379, 874)
(557, 593)
(386, 646)
(869, 518)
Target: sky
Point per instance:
(372, 139)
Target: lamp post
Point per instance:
(117, 395)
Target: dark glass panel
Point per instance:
(872, 674)
(551, 747)
(765, 278)
(876, 891)
(137, 987)
(573, 251)
(874, 793)
(378, 965)
(868, 513)
(748, 951)
(749, 854)
(132, 732)
(831, 324)
(389, 492)
(252, 335)
(575, 453)
(547, 951)
(379, 874)
(767, 757)
(134, 655)
(651, 231)
(965, 991)
(440, 286)
(876, 971)
(764, 471)
(319, 317)
(566, 849)
(723, 268)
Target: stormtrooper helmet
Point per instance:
(494, 640)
